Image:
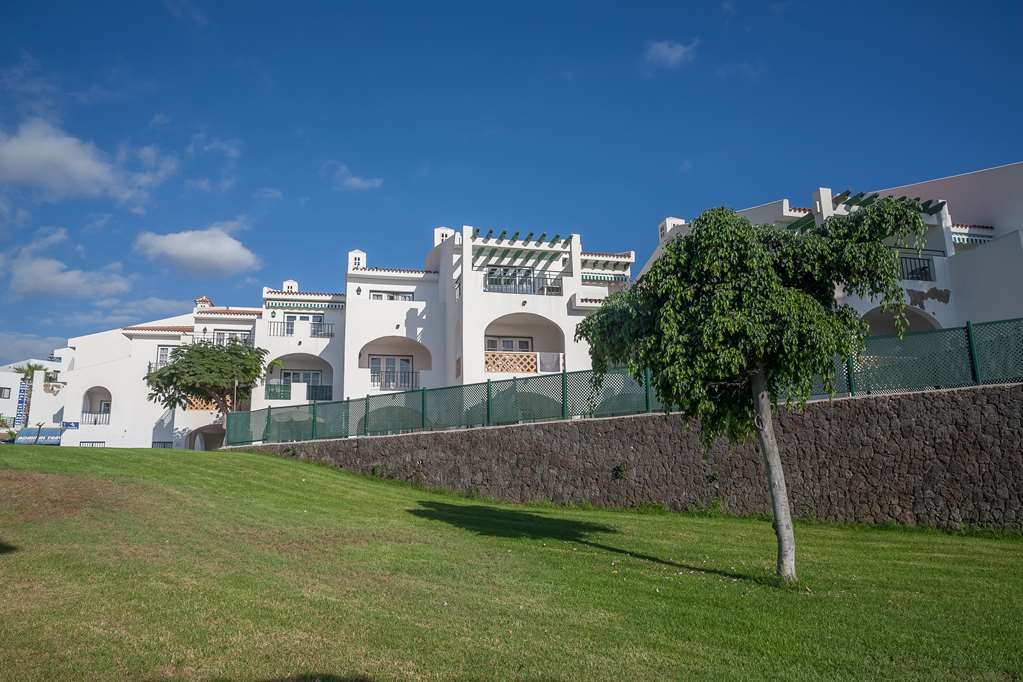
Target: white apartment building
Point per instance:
(971, 264)
(487, 304)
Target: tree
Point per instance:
(207, 371)
(734, 317)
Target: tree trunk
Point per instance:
(786, 567)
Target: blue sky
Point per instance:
(152, 152)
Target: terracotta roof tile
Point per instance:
(605, 254)
(407, 271)
(278, 292)
(159, 328)
(230, 311)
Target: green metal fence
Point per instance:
(985, 353)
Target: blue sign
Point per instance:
(69, 425)
(20, 418)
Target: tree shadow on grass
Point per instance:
(7, 549)
(511, 523)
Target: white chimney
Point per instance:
(669, 225)
(203, 302)
(356, 260)
(289, 285)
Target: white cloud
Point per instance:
(269, 193)
(205, 144)
(187, 11)
(669, 54)
(45, 277)
(210, 251)
(97, 222)
(229, 148)
(44, 157)
(350, 182)
(745, 69)
(159, 120)
(32, 92)
(43, 241)
(15, 346)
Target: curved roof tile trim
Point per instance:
(407, 271)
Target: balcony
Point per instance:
(394, 380)
(507, 362)
(317, 330)
(222, 339)
(318, 392)
(321, 330)
(918, 266)
(278, 392)
(95, 418)
(539, 285)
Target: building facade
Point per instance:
(486, 304)
(970, 267)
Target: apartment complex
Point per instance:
(970, 267)
(486, 304)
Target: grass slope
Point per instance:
(161, 563)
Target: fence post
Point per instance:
(490, 394)
(347, 419)
(314, 420)
(365, 416)
(850, 375)
(422, 408)
(971, 341)
(564, 394)
(646, 388)
(266, 429)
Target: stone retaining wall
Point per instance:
(942, 459)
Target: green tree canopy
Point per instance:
(207, 371)
(734, 316)
(28, 371)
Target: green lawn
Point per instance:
(159, 563)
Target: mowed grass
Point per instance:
(149, 564)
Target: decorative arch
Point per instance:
(397, 346)
(209, 437)
(97, 404)
(882, 322)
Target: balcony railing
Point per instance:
(918, 265)
(505, 362)
(278, 392)
(322, 392)
(223, 339)
(159, 364)
(321, 330)
(280, 328)
(95, 418)
(394, 380)
(540, 285)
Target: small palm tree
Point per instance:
(28, 375)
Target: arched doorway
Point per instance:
(882, 322)
(395, 362)
(300, 377)
(523, 343)
(209, 437)
(97, 404)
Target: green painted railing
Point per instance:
(318, 392)
(277, 392)
(983, 353)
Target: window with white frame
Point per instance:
(163, 355)
(390, 295)
(5, 393)
(509, 344)
(391, 371)
(222, 336)
(93, 444)
(301, 376)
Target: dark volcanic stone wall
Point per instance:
(942, 459)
